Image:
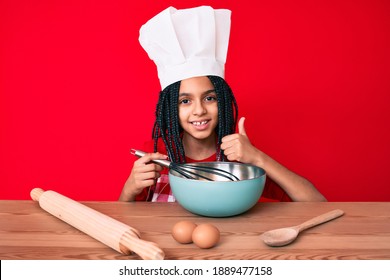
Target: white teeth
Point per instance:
(199, 123)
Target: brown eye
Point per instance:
(184, 101)
(210, 98)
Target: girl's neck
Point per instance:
(199, 149)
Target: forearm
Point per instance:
(296, 187)
(126, 194)
(125, 197)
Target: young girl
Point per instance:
(196, 114)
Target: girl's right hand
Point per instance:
(143, 174)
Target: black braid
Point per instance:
(175, 126)
(227, 111)
(167, 126)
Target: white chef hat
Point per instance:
(187, 43)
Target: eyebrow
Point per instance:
(188, 94)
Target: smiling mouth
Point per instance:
(199, 123)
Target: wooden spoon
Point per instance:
(284, 236)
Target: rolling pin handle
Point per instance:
(36, 194)
(145, 249)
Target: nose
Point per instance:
(199, 108)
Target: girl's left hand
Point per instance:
(237, 147)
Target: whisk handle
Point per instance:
(162, 162)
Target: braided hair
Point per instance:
(167, 125)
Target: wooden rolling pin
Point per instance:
(107, 230)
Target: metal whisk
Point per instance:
(193, 171)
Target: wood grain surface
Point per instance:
(363, 232)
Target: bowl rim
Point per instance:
(263, 173)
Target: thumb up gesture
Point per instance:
(237, 147)
(241, 127)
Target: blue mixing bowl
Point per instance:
(219, 198)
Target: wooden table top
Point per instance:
(28, 232)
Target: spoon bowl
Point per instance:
(284, 236)
(280, 237)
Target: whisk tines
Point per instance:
(193, 171)
(217, 172)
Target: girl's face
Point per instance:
(198, 108)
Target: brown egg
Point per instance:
(205, 236)
(182, 231)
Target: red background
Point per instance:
(77, 92)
